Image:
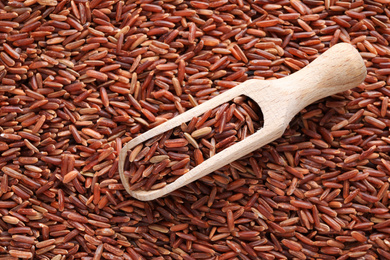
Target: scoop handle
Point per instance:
(338, 69)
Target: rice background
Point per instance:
(81, 78)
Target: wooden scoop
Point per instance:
(340, 68)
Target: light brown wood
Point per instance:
(338, 69)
